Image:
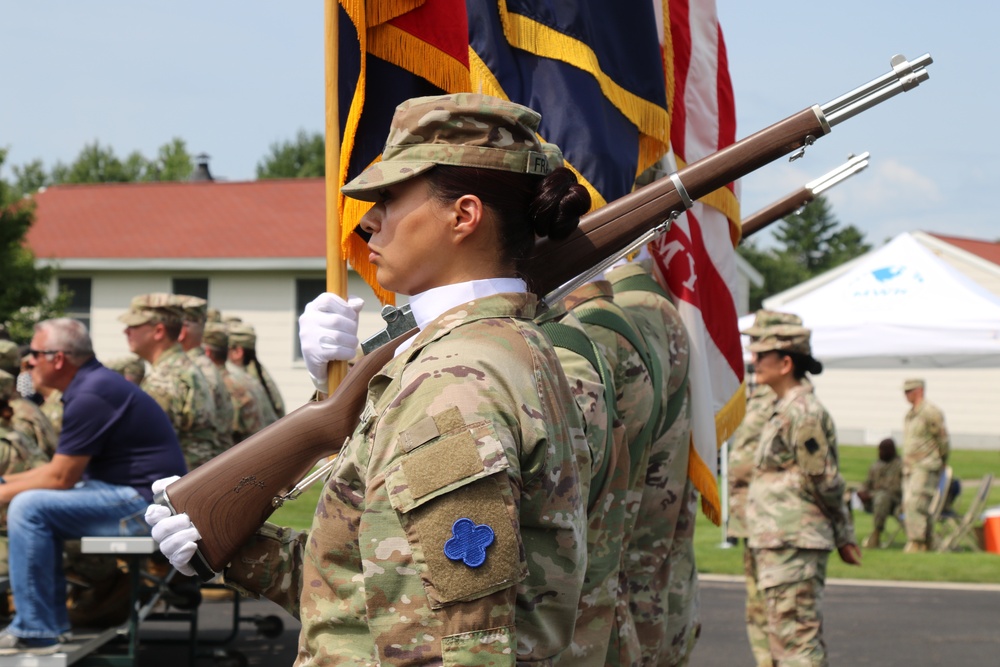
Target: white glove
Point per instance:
(328, 331)
(175, 534)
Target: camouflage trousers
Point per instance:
(683, 600)
(883, 505)
(919, 486)
(756, 612)
(792, 581)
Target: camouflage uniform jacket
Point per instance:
(30, 420)
(885, 476)
(224, 417)
(662, 507)
(53, 409)
(743, 454)
(246, 378)
(272, 394)
(181, 389)
(17, 454)
(612, 518)
(925, 438)
(796, 497)
(471, 426)
(248, 418)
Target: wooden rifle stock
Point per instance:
(776, 211)
(229, 497)
(806, 194)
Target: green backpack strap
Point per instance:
(574, 340)
(614, 322)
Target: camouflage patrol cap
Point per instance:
(792, 338)
(195, 308)
(155, 307)
(769, 318)
(7, 385)
(789, 338)
(913, 383)
(213, 315)
(216, 336)
(242, 335)
(10, 356)
(463, 129)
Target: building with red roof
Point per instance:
(254, 249)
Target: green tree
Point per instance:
(24, 298)
(303, 157)
(810, 242)
(98, 164)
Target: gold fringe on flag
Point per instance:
(650, 118)
(414, 55)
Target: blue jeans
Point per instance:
(38, 522)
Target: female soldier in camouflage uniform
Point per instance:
(452, 529)
(795, 505)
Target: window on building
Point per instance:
(79, 300)
(306, 289)
(190, 287)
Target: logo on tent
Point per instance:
(886, 281)
(887, 273)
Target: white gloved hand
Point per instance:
(155, 513)
(328, 331)
(176, 536)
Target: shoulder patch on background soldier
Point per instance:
(811, 446)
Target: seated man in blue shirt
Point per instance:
(115, 442)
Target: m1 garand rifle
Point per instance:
(794, 201)
(229, 497)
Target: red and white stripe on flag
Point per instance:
(696, 259)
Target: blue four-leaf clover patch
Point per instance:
(468, 542)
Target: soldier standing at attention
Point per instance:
(153, 324)
(28, 418)
(248, 417)
(742, 455)
(242, 349)
(661, 580)
(925, 454)
(452, 529)
(795, 506)
(195, 313)
(243, 352)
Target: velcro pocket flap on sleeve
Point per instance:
(437, 462)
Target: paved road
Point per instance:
(866, 624)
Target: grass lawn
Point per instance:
(890, 563)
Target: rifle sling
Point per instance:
(574, 340)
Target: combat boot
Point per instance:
(914, 547)
(873, 540)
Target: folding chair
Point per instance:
(938, 501)
(963, 529)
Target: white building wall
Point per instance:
(868, 405)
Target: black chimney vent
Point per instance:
(201, 172)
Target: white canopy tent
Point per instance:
(896, 307)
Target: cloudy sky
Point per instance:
(231, 78)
